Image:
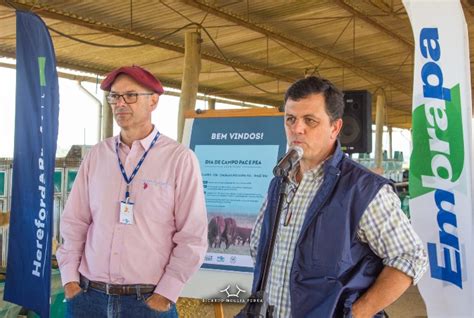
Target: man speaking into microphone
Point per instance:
(344, 247)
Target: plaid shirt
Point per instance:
(383, 226)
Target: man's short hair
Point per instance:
(333, 97)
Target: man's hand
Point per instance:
(389, 285)
(158, 302)
(71, 289)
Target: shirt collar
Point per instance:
(314, 173)
(335, 158)
(145, 142)
(317, 171)
(330, 162)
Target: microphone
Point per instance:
(289, 160)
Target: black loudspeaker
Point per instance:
(356, 133)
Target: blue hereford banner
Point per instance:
(441, 163)
(28, 279)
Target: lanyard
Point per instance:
(122, 169)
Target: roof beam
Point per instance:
(60, 15)
(265, 30)
(374, 23)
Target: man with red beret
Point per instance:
(134, 225)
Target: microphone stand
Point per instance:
(257, 305)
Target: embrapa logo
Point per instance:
(438, 156)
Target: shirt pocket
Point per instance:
(329, 245)
(155, 201)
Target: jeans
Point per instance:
(90, 303)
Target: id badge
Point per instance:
(126, 212)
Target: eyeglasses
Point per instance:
(286, 208)
(128, 98)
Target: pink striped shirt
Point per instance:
(168, 240)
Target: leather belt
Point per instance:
(116, 289)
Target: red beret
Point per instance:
(140, 75)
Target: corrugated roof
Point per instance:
(356, 44)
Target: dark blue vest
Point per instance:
(331, 267)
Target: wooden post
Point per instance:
(107, 119)
(190, 81)
(379, 116)
(390, 143)
(219, 310)
(211, 103)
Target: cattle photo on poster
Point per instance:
(230, 235)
